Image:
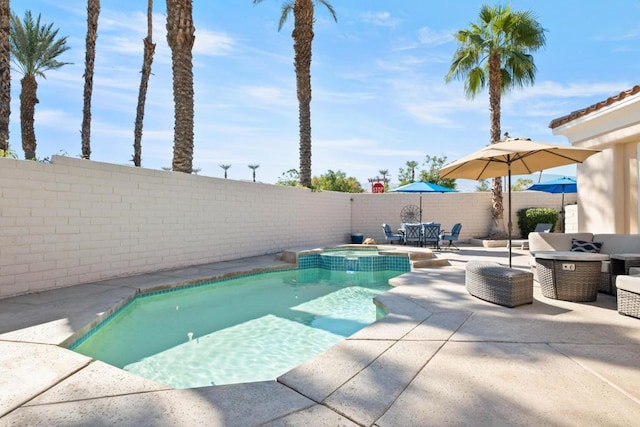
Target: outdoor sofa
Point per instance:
(610, 244)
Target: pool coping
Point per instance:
(382, 375)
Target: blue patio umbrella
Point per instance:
(556, 186)
(422, 187)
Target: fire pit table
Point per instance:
(569, 276)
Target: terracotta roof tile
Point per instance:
(595, 107)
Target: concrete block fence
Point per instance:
(77, 221)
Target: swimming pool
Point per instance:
(246, 329)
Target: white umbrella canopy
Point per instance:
(514, 156)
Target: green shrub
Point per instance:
(528, 218)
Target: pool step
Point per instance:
(429, 263)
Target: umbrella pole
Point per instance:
(420, 208)
(509, 222)
(562, 212)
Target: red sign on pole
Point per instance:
(378, 187)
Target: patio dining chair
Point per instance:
(413, 233)
(390, 236)
(452, 236)
(431, 235)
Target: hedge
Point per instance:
(528, 218)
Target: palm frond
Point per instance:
(287, 9)
(331, 10)
(35, 47)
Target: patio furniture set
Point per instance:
(568, 266)
(423, 234)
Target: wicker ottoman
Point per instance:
(499, 285)
(628, 295)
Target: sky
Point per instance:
(378, 83)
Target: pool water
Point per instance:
(251, 328)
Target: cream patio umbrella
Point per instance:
(513, 156)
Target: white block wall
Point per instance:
(77, 221)
(473, 210)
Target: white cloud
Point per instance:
(55, 118)
(431, 37)
(213, 43)
(571, 90)
(383, 19)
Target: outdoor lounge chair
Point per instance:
(390, 236)
(543, 228)
(452, 236)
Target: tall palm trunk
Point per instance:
(5, 75)
(149, 49)
(93, 11)
(28, 101)
(303, 11)
(495, 93)
(181, 36)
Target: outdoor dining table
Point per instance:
(569, 276)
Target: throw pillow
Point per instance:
(585, 246)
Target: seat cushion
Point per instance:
(618, 243)
(555, 241)
(629, 283)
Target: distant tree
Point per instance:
(181, 36)
(483, 186)
(495, 53)
(147, 60)
(226, 168)
(93, 11)
(303, 14)
(336, 181)
(521, 184)
(412, 165)
(385, 181)
(34, 48)
(431, 174)
(253, 168)
(5, 74)
(409, 175)
(290, 178)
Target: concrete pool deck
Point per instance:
(440, 357)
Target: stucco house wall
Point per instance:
(608, 181)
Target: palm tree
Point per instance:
(34, 49)
(181, 36)
(149, 49)
(303, 13)
(412, 165)
(5, 75)
(384, 173)
(254, 167)
(93, 11)
(496, 53)
(226, 168)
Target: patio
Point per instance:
(440, 357)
